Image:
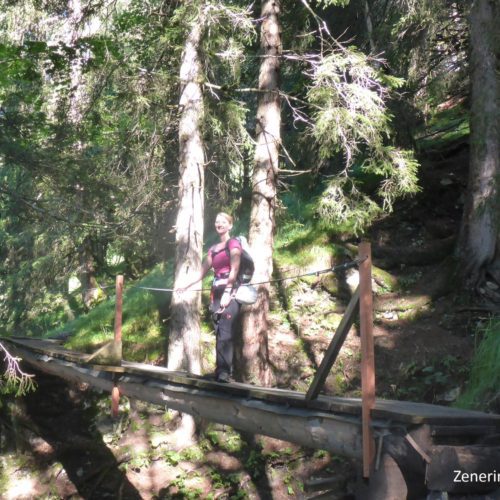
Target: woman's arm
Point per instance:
(228, 295)
(205, 267)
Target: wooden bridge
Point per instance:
(418, 446)
(407, 449)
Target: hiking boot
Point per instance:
(223, 378)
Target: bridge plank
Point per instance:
(406, 412)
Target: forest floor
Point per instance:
(425, 335)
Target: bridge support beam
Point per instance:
(367, 353)
(338, 434)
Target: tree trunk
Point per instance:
(261, 233)
(369, 27)
(184, 340)
(78, 99)
(479, 238)
(90, 287)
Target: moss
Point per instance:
(445, 127)
(482, 390)
(384, 279)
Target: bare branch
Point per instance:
(14, 379)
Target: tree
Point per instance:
(78, 101)
(480, 231)
(264, 192)
(184, 337)
(81, 93)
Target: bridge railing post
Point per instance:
(367, 354)
(115, 393)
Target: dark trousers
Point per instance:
(225, 325)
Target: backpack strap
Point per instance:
(227, 245)
(214, 252)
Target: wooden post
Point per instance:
(367, 354)
(115, 393)
(118, 308)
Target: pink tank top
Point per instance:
(221, 261)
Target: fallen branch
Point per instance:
(13, 378)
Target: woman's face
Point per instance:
(222, 225)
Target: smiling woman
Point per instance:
(224, 258)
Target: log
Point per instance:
(339, 434)
(323, 483)
(407, 412)
(386, 483)
(410, 452)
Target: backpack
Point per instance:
(247, 266)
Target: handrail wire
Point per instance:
(341, 267)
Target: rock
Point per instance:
(491, 285)
(449, 396)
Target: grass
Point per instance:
(299, 245)
(143, 324)
(484, 381)
(443, 128)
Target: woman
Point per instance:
(224, 257)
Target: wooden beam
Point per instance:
(119, 308)
(367, 353)
(406, 412)
(338, 434)
(334, 347)
(115, 392)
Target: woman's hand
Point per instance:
(225, 299)
(181, 291)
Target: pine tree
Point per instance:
(264, 192)
(184, 337)
(480, 237)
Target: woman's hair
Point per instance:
(226, 216)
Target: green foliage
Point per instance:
(484, 382)
(255, 463)
(350, 117)
(425, 381)
(348, 111)
(444, 128)
(343, 207)
(398, 168)
(328, 3)
(143, 322)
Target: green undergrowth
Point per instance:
(298, 245)
(444, 127)
(482, 391)
(143, 319)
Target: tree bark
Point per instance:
(264, 181)
(78, 99)
(479, 238)
(184, 340)
(369, 27)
